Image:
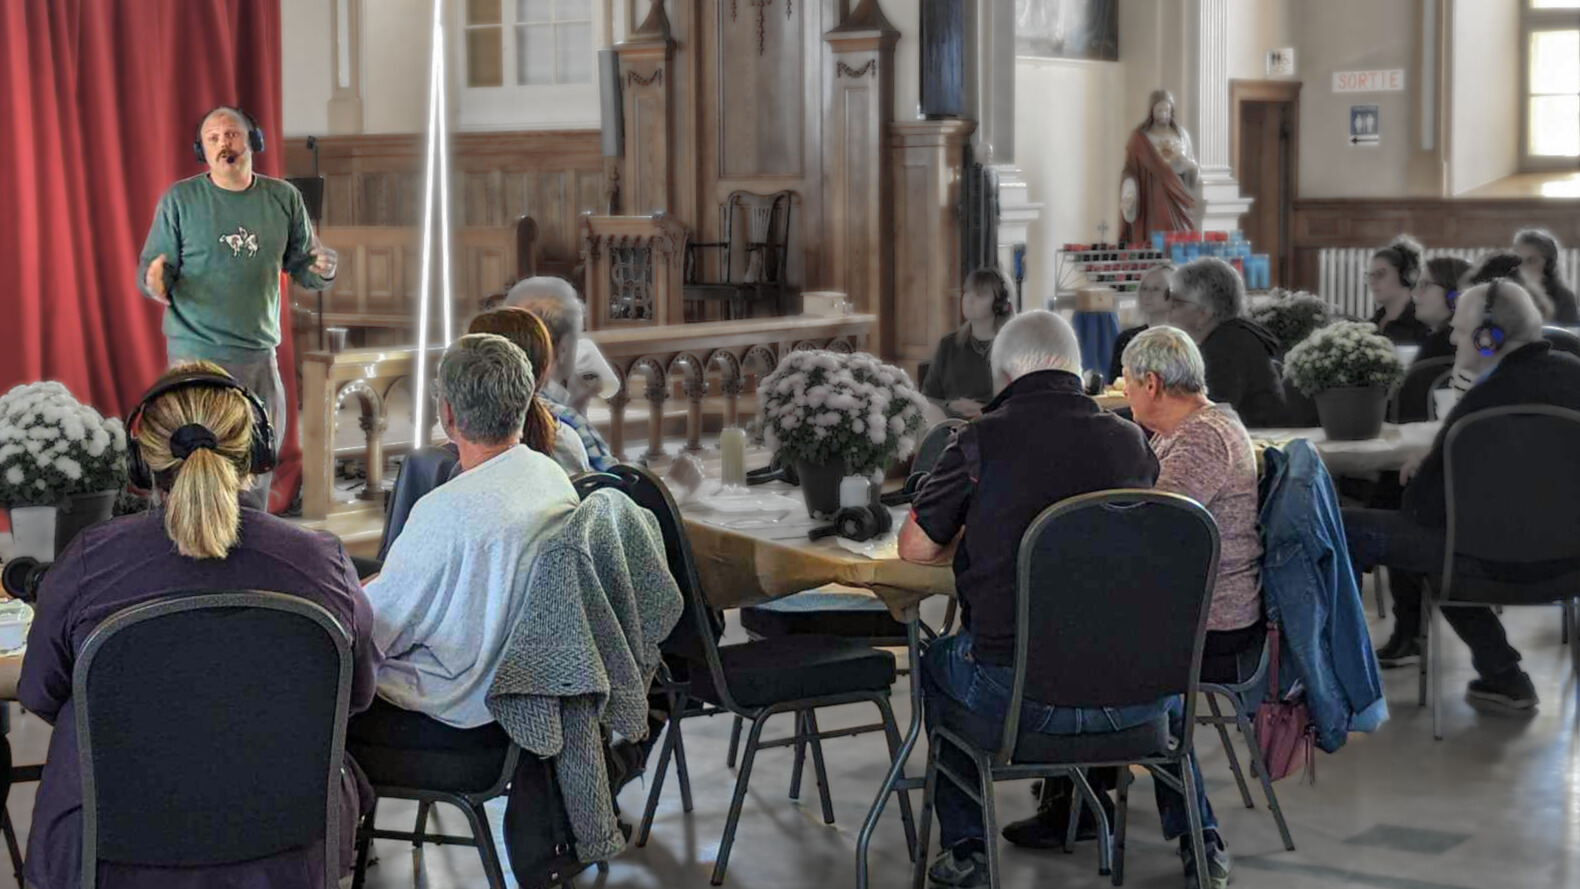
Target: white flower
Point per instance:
(14, 475)
(856, 426)
(73, 429)
(877, 435)
(40, 485)
(34, 447)
(43, 459)
(69, 468)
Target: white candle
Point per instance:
(732, 447)
(854, 491)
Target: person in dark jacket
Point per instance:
(198, 441)
(1039, 441)
(1522, 370)
(1152, 299)
(1538, 251)
(1207, 301)
(957, 380)
(1394, 272)
(1434, 296)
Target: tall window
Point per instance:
(550, 41)
(1551, 136)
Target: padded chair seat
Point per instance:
(1469, 588)
(770, 671)
(401, 748)
(852, 615)
(1138, 742)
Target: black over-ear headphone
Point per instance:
(1488, 338)
(254, 134)
(858, 523)
(262, 431)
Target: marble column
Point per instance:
(992, 79)
(1208, 37)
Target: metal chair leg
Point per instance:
(364, 845)
(984, 767)
(800, 755)
(735, 743)
(891, 732)
(1104, 838)
(1249, 733)
(421, 828)
(1434, 653)
(738, 800)
(682, 773)
(823, 789)
(664, 754)
(924, 829)
(11, 846)
(1121, 819)
(1423, 642)
(484, 837)
(1377, 587)
(1073, 823)
(1193, 815)
(1228, 748)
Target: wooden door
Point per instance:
(1265, 157)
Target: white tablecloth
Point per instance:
(1396, 446)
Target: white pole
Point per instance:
(424, 300)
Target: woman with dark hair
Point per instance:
(1538, 252)
(1434, 296)
(1395, 269)
(1152, 300)
(542, 432)
(958, 380)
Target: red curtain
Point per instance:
(98, 103)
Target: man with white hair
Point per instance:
(1207, 301)
(579, 369)
(1039, 441)
(1497, 335)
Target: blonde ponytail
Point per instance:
(203, 514)
(201, 506)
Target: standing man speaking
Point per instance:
(213, 258)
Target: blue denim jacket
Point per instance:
(1311, 591)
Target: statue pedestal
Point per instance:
(1222, 205)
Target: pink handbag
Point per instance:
(1284, 733)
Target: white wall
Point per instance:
(1069, 141)
(1256, 26)
(906, 17)
(307, 65)
(1484, 110)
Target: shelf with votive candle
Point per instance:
(732, 450)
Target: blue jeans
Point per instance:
(950, 671)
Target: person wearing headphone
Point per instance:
(1435, 293)
(213, 258)
(1152, 300)
(195, 439)
(1394, 272)
(958, 381)
(1497, 335)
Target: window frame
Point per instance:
(514, 106)
(1533, 20)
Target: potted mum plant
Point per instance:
(833, 414)
(62, 464)
(1349, 369)
(1291, 316)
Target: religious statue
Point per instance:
(1157, 190)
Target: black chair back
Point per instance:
(1513, 484)
(695, 636)
(1112, 602)
(210, 730)
(934, 443)
(1412, 403)
(423, 470)
(1563, 339)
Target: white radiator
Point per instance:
(1341, 273)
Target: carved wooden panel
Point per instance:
(377, 180)
(761, 91)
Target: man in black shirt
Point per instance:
(1522, 370)
(1039, 441)
(1207, 301)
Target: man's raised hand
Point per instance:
(155, 280)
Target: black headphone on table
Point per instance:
(254, 134)
(262, 459)
(858, 523)
(1488, 338)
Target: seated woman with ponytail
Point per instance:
(1395, 269)
(198, 434)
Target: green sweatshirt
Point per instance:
(224, 251)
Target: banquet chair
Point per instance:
(168, 757)
(1412, 403)
(1234, 695)
(1513, 497)
(1118, 577)
(1562, 339)
(846, 613)
(755, 680)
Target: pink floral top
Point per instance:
(1209, 459)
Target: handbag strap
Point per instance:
(1274, 689)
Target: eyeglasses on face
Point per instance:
(1376, 274)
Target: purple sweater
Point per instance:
(131, 560)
